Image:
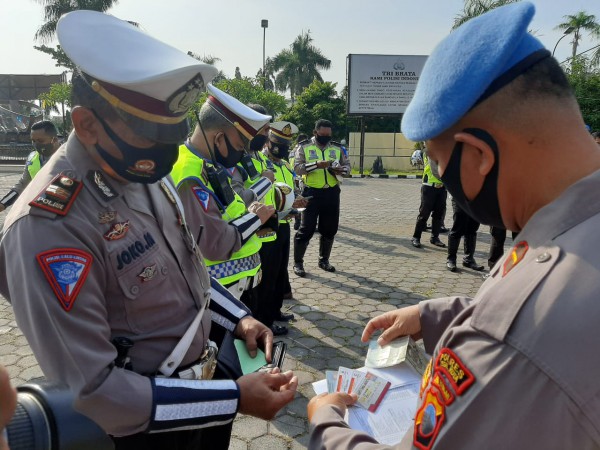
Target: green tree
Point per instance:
(474, 8)
(577, 24)
(54, 9)
(319, 100)
(585, 81)
(299, 65)
(59, 94)
(58, 55)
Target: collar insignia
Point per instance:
(516, 256)
(104, 188)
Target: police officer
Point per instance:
(117, 302)
(433, 202)
(224, 227)
(320, 161)
(275, 283)
(512, 367)
(466, 227)
(44, 138)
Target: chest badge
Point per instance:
(106, 216)
(148, 273)
(117, 231)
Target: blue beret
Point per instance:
(473, 62)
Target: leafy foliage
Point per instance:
(474, 8)
(576, 24)
(58, 55)
(318, 101)
(586, 85)
(298, 66)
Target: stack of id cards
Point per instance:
(369, 388)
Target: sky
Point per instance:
(231, 29)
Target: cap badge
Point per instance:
(117, 231)
(185, 97)
(287, 130)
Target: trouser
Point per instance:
(433, 202)
(497, 245)
(463, 225)
(323, 208)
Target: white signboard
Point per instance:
(382, 84)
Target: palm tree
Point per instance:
(212, 60)
(474, 8)
(576, 24)
(299, 65)
(54, 9)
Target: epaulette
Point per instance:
(58, 195)
(336, 143)
(305, 141)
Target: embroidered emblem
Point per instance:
(456, 372)
(106, 216)
(59, 195)
(202, 196)
(117, 231)
(516, 255)
(144, 166)
(446, 394)
(428, 420)
(105, 190)
(134, 251)
(312, 154)
(231, 170)
(66, 270)
(185, 97)
(426, 378)
(148, 273)
(332, 154)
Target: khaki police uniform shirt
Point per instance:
(146, 286)
(515, 368)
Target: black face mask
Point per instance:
(233, 157)
(139, 165)
(280, 151)
(44, 149)
(485, 207)
(258, 142)
(323, 140)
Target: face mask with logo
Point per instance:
(323, 140)
(485, 207)
(280, 151)
(138, 165)
(44, 149)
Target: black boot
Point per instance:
(468, 259)
(453, 243)
(299, 251)
(325, 246)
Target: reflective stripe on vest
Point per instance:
(284, 174)
(318, 178)
(189, 165)
(33, 164)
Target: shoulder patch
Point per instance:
(66, 270)
(202, 196)
(429, 419)
(102, 186)
(454, 369)
(58, 196)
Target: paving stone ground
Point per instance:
(377, 270)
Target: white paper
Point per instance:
(393, 418)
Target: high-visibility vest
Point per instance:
(319, 178)
(268, 199)
(283, 173)
(33, 164)
(428, 176)
(246, 261)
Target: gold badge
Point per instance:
(516, 256)
(117, 231)
(148, 273)
(106, 216)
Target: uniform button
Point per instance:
(164, 270)
(134, 290)
(543, 257)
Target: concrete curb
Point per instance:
(386, 176)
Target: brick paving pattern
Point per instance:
(377, 270)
